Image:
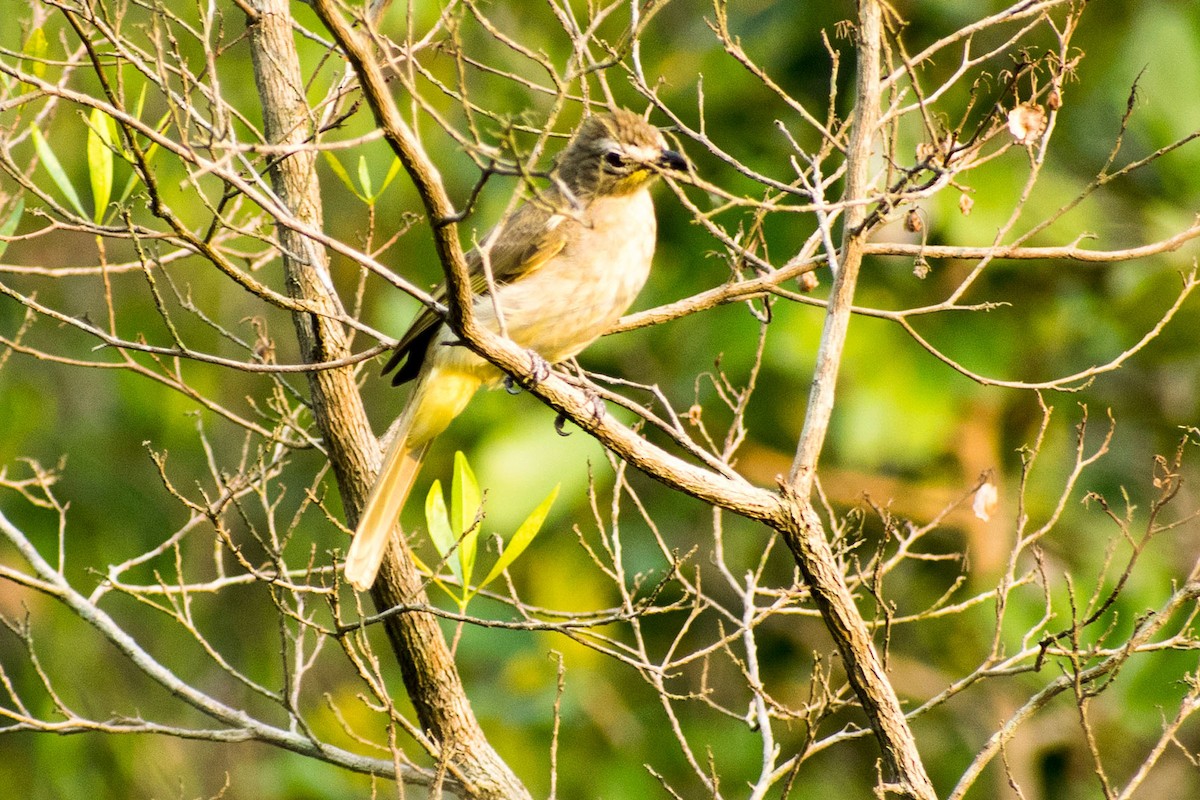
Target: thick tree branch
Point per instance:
(805, 534)
(430, 674)
(712, 487)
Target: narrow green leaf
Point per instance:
(467, 547)
(152, 150)
(465, 503)
(141, 101)
(148, 155)
(10, 225)
(100, 161)
(341, 173)
(36, 47)
(114, 138)
(57, 174)
(364, 178)
(521, 539)
(392, 172)
(118, 142)
(438, 522)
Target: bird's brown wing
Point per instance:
(533, 236)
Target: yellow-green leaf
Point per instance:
(10, 225)
(55, 170)
(341, 173)
(438, 522)
(36, 47)
(392, 172)
(521, 539)
(364, 178)
(465, 503)
(101, 132)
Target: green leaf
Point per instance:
(521, 539)
(10, 224)
(57, 174)
(125, 152)
(342, 175)
(438, 522)
(465, 503)
(101, 133)
(36, 47)
(147, 155)
(392, 172)
(364, 178)
(141, 101)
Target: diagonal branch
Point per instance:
(429, 671)
(805, 535)
(239, 726)
(732, 493)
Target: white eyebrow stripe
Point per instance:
(643, 153)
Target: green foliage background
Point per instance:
(904, 420)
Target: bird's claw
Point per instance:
(560, 425)
(538, 367)
(595, 406)
(539, 370)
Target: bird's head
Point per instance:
(615, 154)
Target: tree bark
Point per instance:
(806, 539)
(792, 515)
(429, 672)
(804, 533)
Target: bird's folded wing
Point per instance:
(533, 236)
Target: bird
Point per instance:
(564, 267)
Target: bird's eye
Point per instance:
(614, 159)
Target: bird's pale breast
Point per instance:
(580, 293)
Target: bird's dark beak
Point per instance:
(672, 160)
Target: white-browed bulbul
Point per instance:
(565, 267)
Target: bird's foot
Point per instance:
(595, 406)
(560, 423)
(539, 370)
(538, 367)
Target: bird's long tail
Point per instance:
(439, 396)
(396, 475)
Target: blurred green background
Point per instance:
(908, 431)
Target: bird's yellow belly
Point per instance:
(573, 299)
(579, 295)
(442, 396)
